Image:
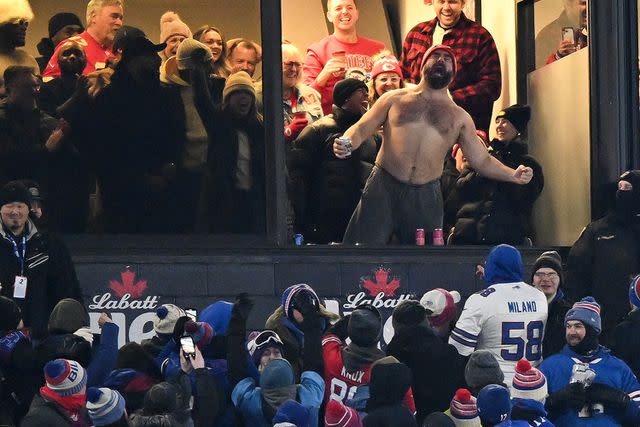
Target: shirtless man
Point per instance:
(420, 125)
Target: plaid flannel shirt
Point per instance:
(478, 81)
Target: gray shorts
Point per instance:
(390, 206)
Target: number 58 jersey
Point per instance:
(508, 320)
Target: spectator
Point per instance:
(263, 347)
(438, 419)
(15, 16)
(61, 402)
(338, 414)
(19, 383)
(172, 32)
(214, 39)
(328, 59)
(326, 189)
(163, 324)
(506, 318)
(626, 343)
(482, 369)
(35, 208)
(494, 407)
(43, 273)
(463, 410)
(293, 413)
(386, 75)
(493, 212)
(441, 310)
(104, 18)
(61, 26)
(479, 80)
(602, 266)
(54, 93)
(528, 394)
(390, 382)
(547, 277)
(301, 104)
(124, 34)
(549, 42)
(585, 373)
(287, 321)
(244, 55)
(106, 407)
(163, 406)
(437, 368)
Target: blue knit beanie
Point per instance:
(494, 404)
(294, 413)
(278, 373)
(587, 311)
(218, 315)
(504, 265)
(105, 406)
(289, 294)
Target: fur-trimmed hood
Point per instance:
(15, 10)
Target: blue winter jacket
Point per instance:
(610, 371)
(537, 415)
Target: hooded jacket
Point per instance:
(531, 411)
(388, 387)
(45, 413)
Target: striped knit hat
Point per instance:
(105, 406)
(587, 311)
(288, 295)
(464, 411)
(65, 377)
(529, 383)
(201, 332)
(634, 291)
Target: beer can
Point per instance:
(438, 237)
(346, 143)
(298, 239)
(420, 237)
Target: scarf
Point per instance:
(275, 397)
(355, 357)
(72, 405)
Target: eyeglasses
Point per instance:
(541, 275)
(291, 64)
(262, 339)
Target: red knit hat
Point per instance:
(388, 64)
(443, 48)
(339, 415)
(528, 382)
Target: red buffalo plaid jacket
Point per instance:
(478, 81)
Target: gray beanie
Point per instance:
(482, 369)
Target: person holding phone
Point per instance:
(555, 41)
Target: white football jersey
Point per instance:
(507, 319)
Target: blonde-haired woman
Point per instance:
(214, 39)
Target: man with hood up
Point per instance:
(507, 318)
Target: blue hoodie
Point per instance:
(532, 408)
(504, 265)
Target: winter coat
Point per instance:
(44, 413)
(554, 330)
(325, 190)
(54, 93)
(492, 212)
(387, 389)
(531, 411)
(18, 378)
(50, 274)
(609, 370)
(601, 263)
(626, 341)
(132, 385)
(437, 367)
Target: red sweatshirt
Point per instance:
(97, 56)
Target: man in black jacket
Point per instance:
(607, 254)
(35, 268)
(326, 189)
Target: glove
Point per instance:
(340, 328)
(292, 130)
(573, 396)
(607, 395)
(178, 329)
(239, 314)
(305, 303)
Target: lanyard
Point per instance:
(17, 254)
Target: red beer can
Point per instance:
(438, 237)
(420, 237)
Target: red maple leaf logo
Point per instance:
(128, 285)
(382, 283)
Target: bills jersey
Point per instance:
(508, 320)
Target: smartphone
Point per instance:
(568, 34)
(188, 347)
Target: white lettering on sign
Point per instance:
(356, 300)
(105, 302)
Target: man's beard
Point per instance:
(440, 80)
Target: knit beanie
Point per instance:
(548, 259)
(61, 20)
(105, 406)
(529, 382)
(338, 414)
(289, 295)
(518, 115)
(503, 265)
(185, 51)
(494, 404)
(218, 315)
(444, 48)
(442, 305)
(237, 82)
(65, 377)
(201, 332)
(161, 399)
(343, 90)
(278, 373)
(14, 191)
(463, 409)
(166, 317)
(587, 311)
(67, 317)
(634, 291)
(365, 326)
(10, 314)
(438, 419)
(292, 412)
(12, 11)
(408, 314)
(482, 369)
(171, 25)
(259, 342)
(388, 64)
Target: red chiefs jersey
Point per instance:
(341, 384)
(97, 56)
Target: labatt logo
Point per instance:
(127, 295)
(379, 290)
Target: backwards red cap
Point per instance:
(444, 48)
